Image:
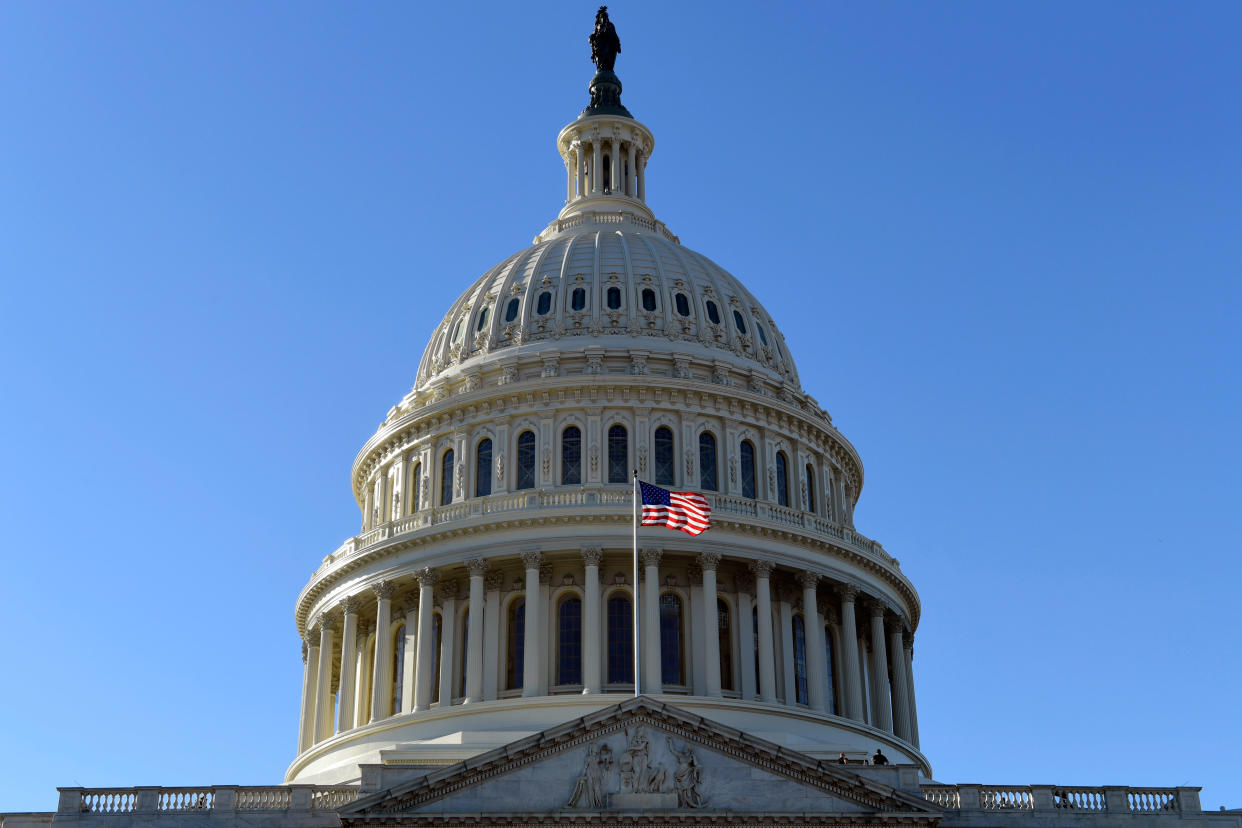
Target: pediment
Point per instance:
(640, 756)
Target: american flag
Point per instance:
(687, 511)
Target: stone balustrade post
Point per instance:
(349, 653)
(69, 804)
(816, 663)
(381, 690)
(763, 607)
(300, 797)
(533, 644)
(323, 691)
(223, 799)
(146, 799)
(592, 623)
(1042, 798)
(474, 632)
(652, 678)
(1116, 800)
(849, 636)
(1188, 800)
(708, 561)
(969, 798)
(425, 644)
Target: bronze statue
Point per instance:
(605, 45)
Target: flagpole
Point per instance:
(637, 686)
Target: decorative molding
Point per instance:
(592, 556)
(477, 567)
(383, 589)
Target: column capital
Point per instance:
(808, 579)
(877, 607)
(545, 574)
(427, 577)
(477, 567)
(709, 561)
(532, 559)
(592, 555)
(848, 592)
(383, 589)
(495, 580)
(305, 650)
(328, 623)
(350, 605)
(651, 556)
(907, 639)
(894, 624)
(762, 569)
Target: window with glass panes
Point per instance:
(665, 465)
(571, 456)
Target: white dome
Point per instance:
(599, 280)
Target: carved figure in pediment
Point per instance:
(638, 773)
(589, 790)
(687, 778)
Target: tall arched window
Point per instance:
(832, 671)
(724, 632)
(571, 456)
(707, 461)
(671, 648)
(515, 649)
(446, 478)
(810, 488)
(748, 469)
(799, 648)
(483, 468)
(463, 644)
(437, 633)
(569, 641)
(665, 466)
(782, 479)
(614, 298)
(398, 673)
(416, 488)
(618, 455)
(526, 460)
(577, 299)
(620, 639)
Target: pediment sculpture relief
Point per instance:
(636, 776)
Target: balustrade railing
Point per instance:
(185, 799)
(106, 802)
(946, 796)
(329, 799)
(1078, 800)
(263, 799)
(1150, 800)
(1006, 799)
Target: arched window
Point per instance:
(483, 317)
(739, 323)
(459, 332)
(614, 298)
(398, 671)
(682, 303)
(571, 456)
(620, 639)
(446, 478)
(515, 650)
(762, 336)
(437, 633)
(577, 299)
(569, 641)
(671, 648)
(713, 313)
(782, 479)
(799, 647)
(511, 310)
(462, 650)
(748, 469)
(526, 460)
(724, 631)
(832, 670)
(707, 461)
(416, 488)
(649, 300)
(618, 455)
(483, 468)
(665, 466)
(810, 488)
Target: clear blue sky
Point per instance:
(1002, 239)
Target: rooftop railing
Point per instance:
(86, 803)
(1019, 798)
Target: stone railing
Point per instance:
(593, 497)
(89, 803)
(1020, 798)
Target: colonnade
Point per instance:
(438, 648)
(606, 166)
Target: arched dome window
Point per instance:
(665, 466)
(748, 469)
(437, 634)
(459, 332)
(810, 488)
(577, 299)
(398, 671)
(484, 315)
(724, 632)
(544, 304)
(682, 303)
(614, 298)
(526, 460)
(569, 641)
(571, 456)
(618, 454)
(799, 648)
(446, 478)
(483, 468)
(832, 670)
(671, 640)
(713, 313)
(707, 461)
(649, 300)
(739, 323)
(515, 648)
(762, 336)
(511, 310)
(782, 479)
(416, 488)
(620, 639)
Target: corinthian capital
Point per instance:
(477, 567)
(894, 624)
(427, 577)
(651, 556)
(762, 569)
(383, 589)
(808, 579)
(532, 558)
(350, 605)
(709, 561)
(877, 607)
(848, 592)
(592, 556)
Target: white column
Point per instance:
(532, 643)
(578, 171)
(592, 623)
(596, 165)
(652, 677)
(784, 614)
(491, 635)
(711, 620)
(426, 639)
(409, 660)
(569, 175)
(381, 681)
(448, 642)
(746, 637)
(816, 666)
(349, 655)
(631, 182)
(695, 646)
(362, 683)
(836, 702)
(908, 640)
(901, 691)
(763, 605)
(323, 692)
(547, 635)
(879, 669)
(642, 177)
(868, 685)
(849, 636)
(474, 632)
(310, 684)
(615, 158)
